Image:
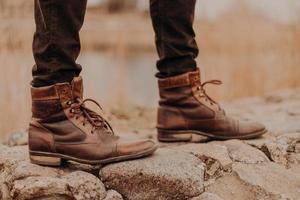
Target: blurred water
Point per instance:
(121, 80)
(284, 11)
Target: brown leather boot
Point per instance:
(187, 113)
(62, 128)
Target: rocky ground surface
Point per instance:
(267, 168)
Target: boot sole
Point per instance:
(55, 159)
(198, 136)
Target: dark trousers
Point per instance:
(56, 43)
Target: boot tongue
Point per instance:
(77, 87)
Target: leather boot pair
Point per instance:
(63, 128)
(186, 113)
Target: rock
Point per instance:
(294, 158)
(13, 154)
(275, 152)
(270, 178)
(168, 174)
(85, 186)
(113, 195)
(17, 138)
(20, 180)
(215, 157)
(289, 141)
(242, 152)
(217, 152)
(278, 149)
(230, 187)
(207, 196)
(260, 142)
(76, 185)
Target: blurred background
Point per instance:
(253, 46)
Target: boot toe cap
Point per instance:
(130, 147)
(251, 127)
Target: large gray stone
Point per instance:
(279, 148)
(20, 180)
(271, 178)
(230, 187)
(215, 156)
(168, 174)
(260, 142)
(289, 141)
(239, 151)
(276, 152)
(212, 150)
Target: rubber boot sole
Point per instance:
(55, 159)
(198, 136)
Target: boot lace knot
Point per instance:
(203, 93)
(78, 108)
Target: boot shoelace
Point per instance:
(97, 121)
(203, 93)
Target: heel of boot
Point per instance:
(180, 136)
(46, 160)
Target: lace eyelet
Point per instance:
(83, 124)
